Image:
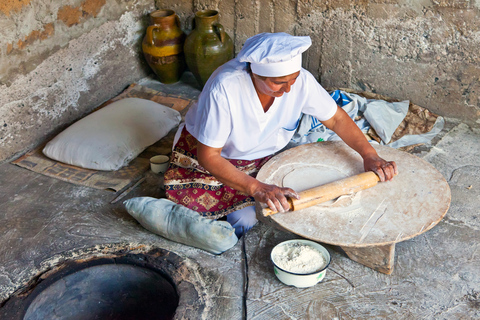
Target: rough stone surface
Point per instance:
(432, 280)
(47, 222)
(434, 275)
(459, 148)
(55, 55)
(425, 51)
(65, 71)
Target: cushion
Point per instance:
(111, 137)
(180, 224)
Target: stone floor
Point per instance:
(46, 223)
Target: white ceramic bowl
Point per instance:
(159, 164)
(301, 280)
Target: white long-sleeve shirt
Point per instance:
(229, 114)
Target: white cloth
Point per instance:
(229, 114)
(274, 54)
(383, 116)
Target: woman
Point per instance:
(248, 110)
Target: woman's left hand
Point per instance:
(385, 170)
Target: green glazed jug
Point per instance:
(163, 46)
(208, 46)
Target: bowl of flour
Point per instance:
(300, 263)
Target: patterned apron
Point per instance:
(189, 184)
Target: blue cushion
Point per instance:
(180, 224)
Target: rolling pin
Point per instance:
(329, 191)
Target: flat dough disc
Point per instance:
(412, 203)
(304, 178)
(308, 177)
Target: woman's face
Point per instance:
(274, 86)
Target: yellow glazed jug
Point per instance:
(163, 46)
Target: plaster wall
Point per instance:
(422, 50)
(60, 59)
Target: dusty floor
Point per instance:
(46, 222)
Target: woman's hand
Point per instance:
(353, 136)
(273, 196)
(385, 170)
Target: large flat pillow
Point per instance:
(111, 137)
(180, 224)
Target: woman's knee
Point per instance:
(242, 220)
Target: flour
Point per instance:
(298, 258)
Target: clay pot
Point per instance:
(208, 46)
(163, 46)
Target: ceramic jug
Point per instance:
(163, 46)
(208, 46)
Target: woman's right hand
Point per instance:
(274, 196)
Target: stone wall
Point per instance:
(60, 59)
(422, 50)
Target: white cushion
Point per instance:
(111, 137)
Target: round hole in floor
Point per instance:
(107, 292)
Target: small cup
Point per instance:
(159, 164)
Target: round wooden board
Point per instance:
(390, 212)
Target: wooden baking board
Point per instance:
(414, 202)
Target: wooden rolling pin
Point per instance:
(329, 191)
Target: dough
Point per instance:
(304, 178)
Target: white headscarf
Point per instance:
(274, 54)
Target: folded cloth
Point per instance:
(311, 129)
(385, 117)
(413, 139)
(391, 121)
(180, 224)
